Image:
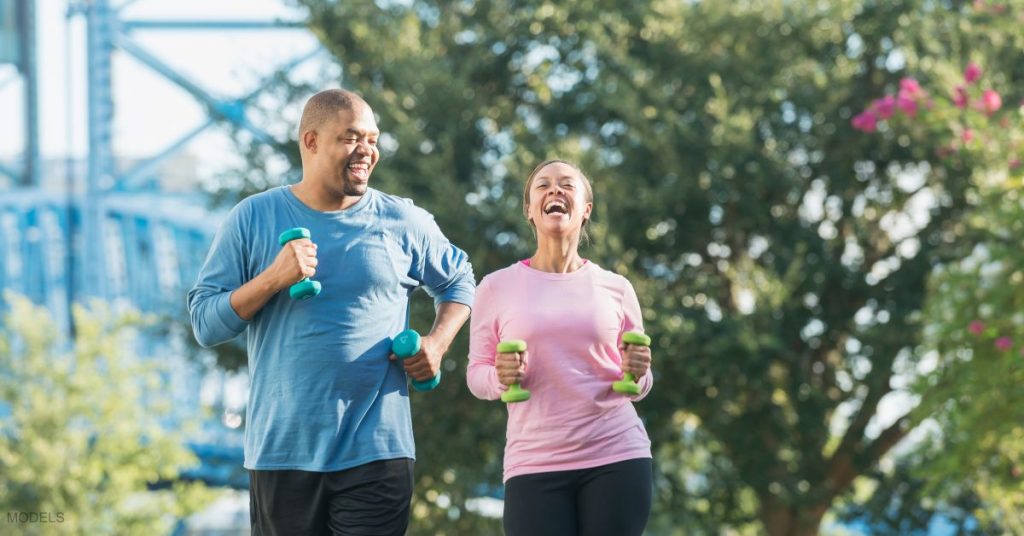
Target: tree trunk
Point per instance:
(785, 520)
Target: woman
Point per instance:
(577, 457)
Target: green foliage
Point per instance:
(975, 394)
(782, 258)
(81, 435)
(899, 503)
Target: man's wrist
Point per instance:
(272, 283)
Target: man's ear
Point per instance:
(309, 141)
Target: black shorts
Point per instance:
(610, 500)
(367, 499)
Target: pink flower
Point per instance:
(976, 327)
(865, 121)
(910, 88)
(884, 106)
(991, 101)
(967, 135)
(1015, 163)
(960, 97)
(907, 104)
(1004, 343)
(972, 73)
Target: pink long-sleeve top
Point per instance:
(573, 325)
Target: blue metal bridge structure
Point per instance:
(111, 233)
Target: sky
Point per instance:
(150, 111)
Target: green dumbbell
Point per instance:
(627, 385)
(307, 288)
(407, 344)
(515, 393)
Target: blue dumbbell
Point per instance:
(407, 344)
(307, 288)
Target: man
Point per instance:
(328, 442)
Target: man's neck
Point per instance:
(320, 199)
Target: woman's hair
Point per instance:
(587, 190)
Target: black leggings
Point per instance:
(613, 500)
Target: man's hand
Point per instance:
(427, 362)
(296, 261)
(636, 359)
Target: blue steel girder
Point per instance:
(30, 74)
(232, 111)
(105, 31)
(14, 175)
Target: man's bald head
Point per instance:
(324, 107)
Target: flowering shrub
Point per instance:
(965, 117)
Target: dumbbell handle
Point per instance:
(627, 385)
(515, 393)
(306, 288)
(407, 344)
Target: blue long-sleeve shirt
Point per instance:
(323, 395)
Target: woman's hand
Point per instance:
(636, 359)
(511, 367)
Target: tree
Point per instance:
(972, 345)
(83, 436)
(781, 254)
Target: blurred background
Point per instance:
(818, 203)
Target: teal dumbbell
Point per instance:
(515, 393)
(307, 288)
(407, 344)
(627, 385)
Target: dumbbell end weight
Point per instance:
(305, 289)
(514, 394)
(293, 234)
(627, 385)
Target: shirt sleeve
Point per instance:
(482, 377)
(443, 269)
(632, 320)
(214, 321)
